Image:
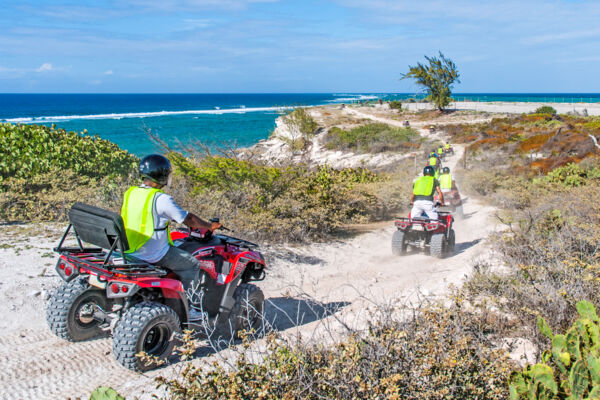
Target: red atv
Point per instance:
(422, 232)
(144, 306)
(453, 202)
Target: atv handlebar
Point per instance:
(221, 227)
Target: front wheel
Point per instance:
(247, 313)
(70, 310)
(399, 245)
(148, 328)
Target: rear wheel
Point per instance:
(399, 245)
(451, 242)
(247, 313)
(437, 245)
(70, 309)
(148, 328)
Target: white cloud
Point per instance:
(45, 67)
(551, 37)
(191, 24)
(109, 72)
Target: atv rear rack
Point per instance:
(111, 269)
(105, 230)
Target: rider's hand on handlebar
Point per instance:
(215, 225)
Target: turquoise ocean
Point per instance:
(182, 120)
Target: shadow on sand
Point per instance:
(286, 312)
(280, 313)
(462, 247)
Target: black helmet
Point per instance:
(155, 168)
(445, 170)
(428, 170)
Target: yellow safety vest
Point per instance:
(436, 174)
(138, 216)
(446, 181)
(432, 161)
(423, 186)
(447, 147)
(440, 150)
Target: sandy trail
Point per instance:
(338, 275)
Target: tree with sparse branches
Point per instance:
(437, 78)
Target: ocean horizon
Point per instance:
(182, 120)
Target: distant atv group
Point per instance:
(435, 236)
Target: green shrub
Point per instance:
(105, 393)
(395, 105)
(572, 175)
(372, 138)
(29, 150)
(545, 110)
(43, 171)
(592, 125)
(570, 369)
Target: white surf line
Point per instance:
(61, 118)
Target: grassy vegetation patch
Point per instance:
(373, 138)
(557, 140)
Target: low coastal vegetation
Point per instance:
(436, 353)
(274, 203)
(373, 138)
(532, 144)
(459, 348)
(45, 170)
(540, 170)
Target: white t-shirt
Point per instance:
(165, 210)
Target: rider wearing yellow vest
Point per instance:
(146, 213)
(447, 146)
(422, 194)
(440, 151)
(433, 161)
(446, 180)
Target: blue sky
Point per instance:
(178, 46)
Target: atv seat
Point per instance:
(99, 227)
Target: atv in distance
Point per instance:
(143, 306)
(433, 235)
(452, 202)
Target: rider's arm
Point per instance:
(412, 198)
(167, 208)
(440, 194)
(195, 222)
